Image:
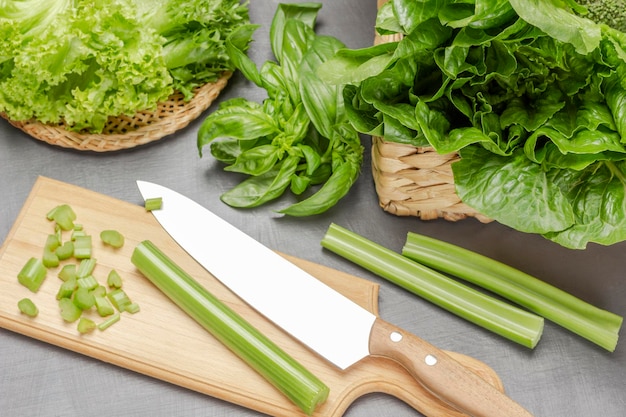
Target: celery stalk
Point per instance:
(32, 274)
(285, 373)
(596, 325)
(490, 313)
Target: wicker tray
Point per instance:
(416, 181)
(127, 132)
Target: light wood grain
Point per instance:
(164, 343)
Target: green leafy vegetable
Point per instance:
(299, 137)
(530, 93)
(81, 61)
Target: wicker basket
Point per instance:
(127, 132)
(416, 181)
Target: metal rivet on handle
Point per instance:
(395, 337)
(430, 360)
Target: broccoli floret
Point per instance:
(609, 12)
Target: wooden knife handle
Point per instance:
(440, 374)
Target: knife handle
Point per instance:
(440, 374)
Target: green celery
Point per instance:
(99, 291)
(26, 306)
(85, 325)
(50, 259)
(597, 325)
(285, 373)
(65, 251)
(153, 203)
(82, 247)
(85, 267)
(63, 215)
(490, 313)
(66, 290)
(32, 274)
(67, 272)
(132, 308)
(83, 298)
(112, 238)
(119, 299)
(89, 282)
(114, 280)
(69, 311)
(103, 306)
(109, 322)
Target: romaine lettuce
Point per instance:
(529, 92)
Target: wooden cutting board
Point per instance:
(163, 342)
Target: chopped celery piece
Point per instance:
(67, 272)
(153, 203)
(89, 282)
(78, 233)
(66, 290)
(78, 227)
(27, 307)
(32, 274)
(285, 373)
(119, 299)
(82, 247)
(69, 311)
(133, 308)
(114, 280)
(85, 325)
(488, 312)
(65, 251)
(112, 238)
(103, 306)
(597, 325)
(109, 322)
(99, 291)
(85, 267)
(63, 215)
(50, 259)
(83, 298)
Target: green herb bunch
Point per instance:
(299, 137)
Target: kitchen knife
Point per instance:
(318, 316)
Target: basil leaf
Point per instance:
(258, 190)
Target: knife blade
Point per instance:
(327, 322)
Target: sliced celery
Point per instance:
(82, 247)
(597, 325)
(27, 307)
(112, 238)
(83, 298)
(63, 215)
(32, 274)
(89, 282)
(103, 306)
(153, 203)
(109, 322)
(66, 290)
(119, 299)
(67, 272)
(285, 373)
(114, 280)
(86, 267)
(65, 251)
(69, 311)
(50, 259)
(490, 313)
(85, 325)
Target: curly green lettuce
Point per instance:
(78, 62)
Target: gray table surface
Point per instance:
(564, 376)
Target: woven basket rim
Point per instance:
(126, 132)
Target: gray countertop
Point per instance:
(564, 376)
